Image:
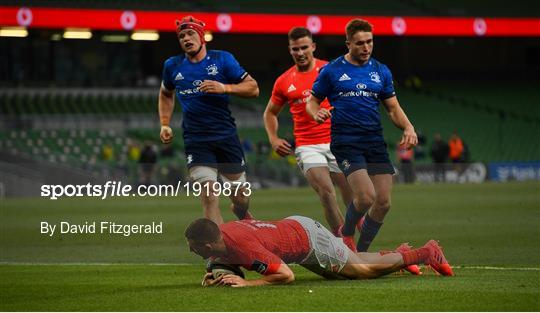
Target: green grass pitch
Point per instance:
(490, 233)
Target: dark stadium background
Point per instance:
(80, 111)
(63, 101)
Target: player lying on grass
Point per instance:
(267, 248)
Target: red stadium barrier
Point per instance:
(59, 18)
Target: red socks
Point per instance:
(415, 256)
(337, 231)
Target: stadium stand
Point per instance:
(489, 125)
(25, 101)
(492, 134)
(56, 111)
(514, 99)
(84, 149)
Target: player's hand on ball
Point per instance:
(233, 281)
(322, 115)
(166, 134)
(409, 138)
(208, 280)
(281, 146)
(212, 86)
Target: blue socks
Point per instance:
(351, 219)
(370, 228)
(368, 231)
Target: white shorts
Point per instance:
(310, 156)
(328, 253)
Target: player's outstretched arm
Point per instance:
(400, 119)
(284, 275)
(315, 112)
(165, 108)
(271, 124)
(247, 88)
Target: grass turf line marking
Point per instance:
(96, 264)
(494, 268)
(497, 268)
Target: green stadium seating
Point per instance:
(488, 136)
(515, 99)
(496, 124)
(101, 103)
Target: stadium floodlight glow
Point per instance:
(148, 35)
(208, 36)
(13, 32)
(77, 33)
(115, 38)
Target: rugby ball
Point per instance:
(218, 269)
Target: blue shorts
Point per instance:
(226, 155)
(355, 156)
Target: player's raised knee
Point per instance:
(383, 204)
(365, 201)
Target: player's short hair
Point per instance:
(202, 230)
(299, 32)
(357, 25)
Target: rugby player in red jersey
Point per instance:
(312, 140)
(267, 248)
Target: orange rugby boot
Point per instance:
(436, 259)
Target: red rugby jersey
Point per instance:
(262, 246)
(294, 87)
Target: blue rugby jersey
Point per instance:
(206, 117)
(355, 93)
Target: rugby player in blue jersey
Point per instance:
(355, 84)
(203, 80)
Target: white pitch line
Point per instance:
(96, 264)
(489, 268)
(497, 268)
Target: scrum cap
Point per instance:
(189, 22)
